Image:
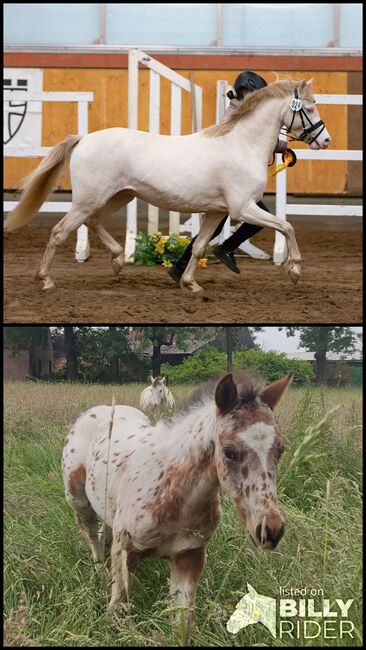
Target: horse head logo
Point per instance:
(253, 608)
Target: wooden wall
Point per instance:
(110, 109)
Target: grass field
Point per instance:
(53, 594)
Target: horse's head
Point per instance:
(158, 390)
(302, 119)
(248, 449)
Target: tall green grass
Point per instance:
(47, 560)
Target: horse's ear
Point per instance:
(163, 380)
(309, 82)
(152, 379)
(272, 394)
(226, 394)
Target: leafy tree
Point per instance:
(322, 340)
(157, 336)
(19, 337)
(209, 362)
(71, 354)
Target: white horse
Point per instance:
(157, 397)
(219, 170)
(157, 487)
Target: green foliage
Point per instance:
(356, 377)
(201, 366)
(325, 338)
(274, 365)
(210, 363)
(159, 249)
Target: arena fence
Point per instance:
(82, 250)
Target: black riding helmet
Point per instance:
(247, 82)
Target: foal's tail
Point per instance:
(37, 186)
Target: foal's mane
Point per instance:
(248, 389)
(280, 88)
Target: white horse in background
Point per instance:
(220, 170)
(156, 398)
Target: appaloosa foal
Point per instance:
(157, 487)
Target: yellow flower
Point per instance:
(167, 264)
(202, 263)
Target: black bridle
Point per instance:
(296, 107)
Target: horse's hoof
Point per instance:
(192, 288)
(117, 265)
(294, 272)
(48, 284)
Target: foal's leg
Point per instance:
(209, 225)
(185, 570)
(84, 513)
(71, 221)
(255, 214)
(123, 564)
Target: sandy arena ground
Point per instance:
(329, 290)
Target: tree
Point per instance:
(70, 351)
(229, 348)
(324, 339)
(157, 336)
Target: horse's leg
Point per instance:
(115, 248)
(185, 570)
(209, 225)
(71, 221)
(254, 214)
(115, 203)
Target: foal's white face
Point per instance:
(250, 445)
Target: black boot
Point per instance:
(176, 272)
(227, 257)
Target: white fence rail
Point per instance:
(82, 99)
(282, 207)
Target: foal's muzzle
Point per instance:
(269, 532)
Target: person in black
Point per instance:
(246, 82)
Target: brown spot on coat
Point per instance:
(77, 481)
(244, 471)
(92, 415)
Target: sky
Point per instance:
(272, 339)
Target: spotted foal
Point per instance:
(157, 487)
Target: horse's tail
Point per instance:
(37, 186)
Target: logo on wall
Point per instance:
(17, 109)
(22, 118)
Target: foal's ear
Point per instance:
(226, 394)
(152, 379)
(272, 394)
(163, 380)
